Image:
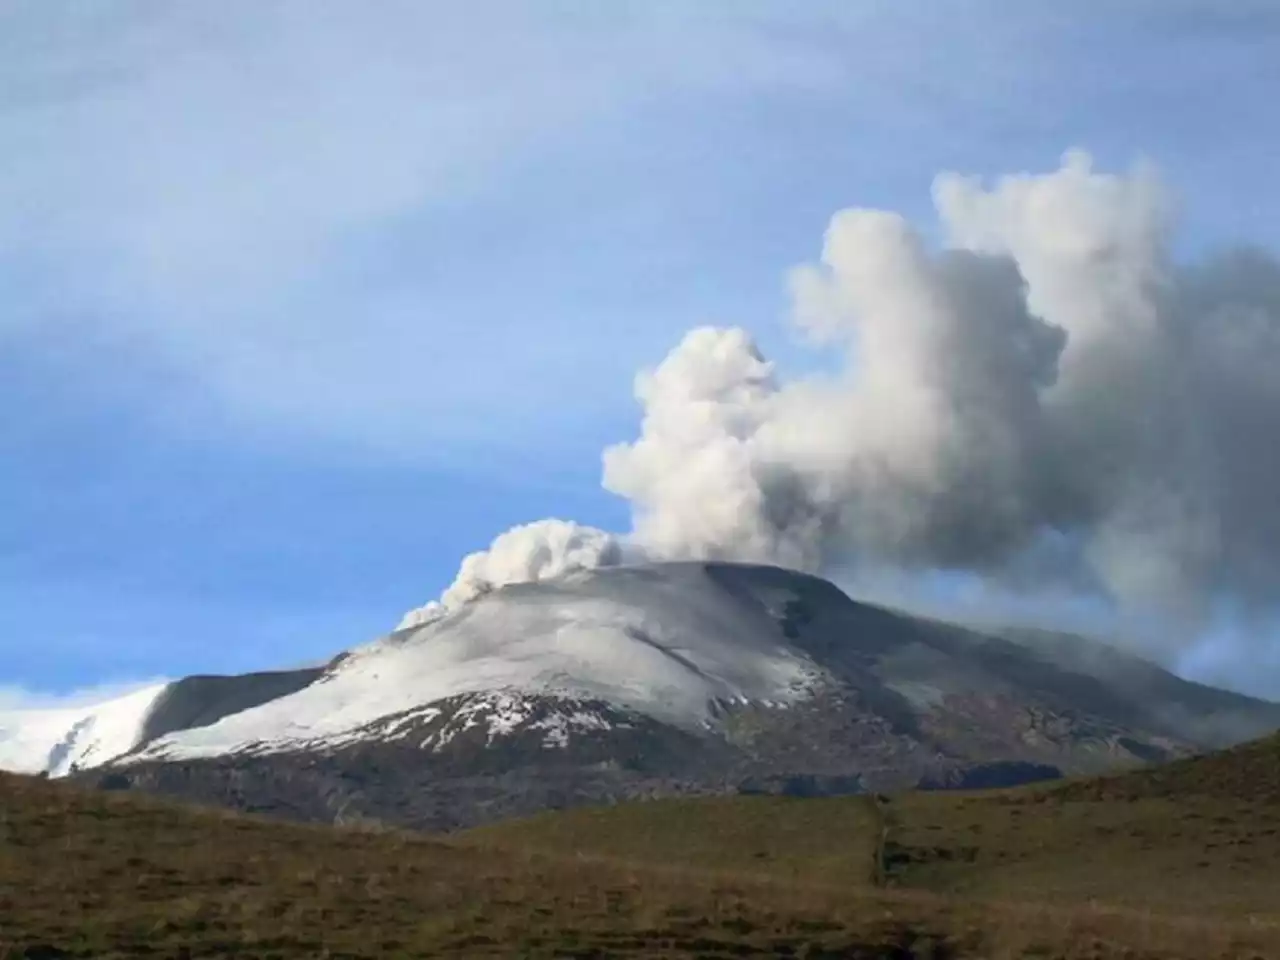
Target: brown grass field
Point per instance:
(1175, 862)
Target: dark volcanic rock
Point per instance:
(115, 780)
(991, 776)
(803, 785)
(392, 785)
(443, 769)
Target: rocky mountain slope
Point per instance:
(655, 680)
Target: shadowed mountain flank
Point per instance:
(201, 701)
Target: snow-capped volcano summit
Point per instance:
(664, 641)
(667, 642)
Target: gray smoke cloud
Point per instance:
(1049, 398)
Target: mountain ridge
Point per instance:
(650, 680)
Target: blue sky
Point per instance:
(302, 301)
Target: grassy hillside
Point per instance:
(1197, 836)
(1210, 858)
(831, 841)
(1141, 866)
(1248, 773)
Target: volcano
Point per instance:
(642, 680)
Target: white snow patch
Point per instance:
(394, 728)
(57, 739)
(504, 712)
(664, 641)
(560, 726)
(501, 712)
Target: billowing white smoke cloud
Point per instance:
(704, 478)
(535, 551)
(1049, 398)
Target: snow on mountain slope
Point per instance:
(661, 640)
(55, 740)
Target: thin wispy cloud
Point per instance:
(312, 212)
(225, 186)
(15, 699)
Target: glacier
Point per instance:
(667, 642)
(57, 740)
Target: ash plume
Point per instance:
(1048, 398)
(535, 551)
